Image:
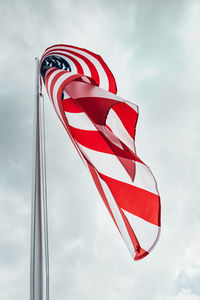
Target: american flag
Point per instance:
(102, 126)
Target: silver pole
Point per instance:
(44, 196)
(39, 267)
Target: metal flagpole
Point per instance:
(39, 264)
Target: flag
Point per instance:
(102, 125)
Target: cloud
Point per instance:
(152, 47)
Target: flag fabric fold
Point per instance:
(102, 127)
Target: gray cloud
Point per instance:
(152, 47)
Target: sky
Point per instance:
(153, 50)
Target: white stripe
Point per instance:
(104, 83)
(53, 74)
(146, 233)
(118, 217)
(80, 121)
(144, 178)
(115, 124)
(109, 165)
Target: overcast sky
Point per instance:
(153, 50)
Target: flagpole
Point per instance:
(39, 264)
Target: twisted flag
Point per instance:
(101, 126)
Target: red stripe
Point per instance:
(69, 105)
(137, 201)
(128, 117)
(91, 139)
